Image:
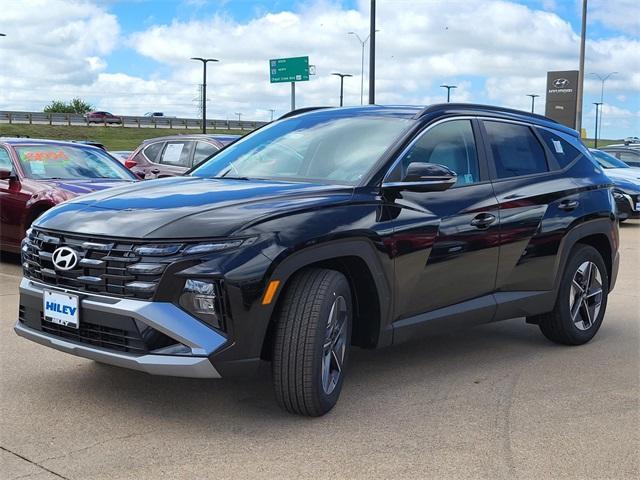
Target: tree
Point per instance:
(76, 105)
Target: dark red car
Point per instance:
(102, 117)
(174, 155)
(35, 175)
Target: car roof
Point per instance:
(16, 141)
(622, 146)
(194, 136)
(436, 110)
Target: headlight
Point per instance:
(200, 298)
(157, 250)
(212, 247)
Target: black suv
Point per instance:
(329, 228)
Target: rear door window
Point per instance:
(177, 154)
(516, 150)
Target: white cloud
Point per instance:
(620, 15)
(495, 51)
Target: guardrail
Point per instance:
(75, 119)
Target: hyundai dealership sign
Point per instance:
(562, 97)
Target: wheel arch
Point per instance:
(602, 235)
(358, 261)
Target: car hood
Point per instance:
(187, 207)
(632, 174)
(622, 181)
(82, 186)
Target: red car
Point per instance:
(102, 117)
(173, 155)
(35, 175)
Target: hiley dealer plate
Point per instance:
(61, 308)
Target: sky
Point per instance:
(132, 57)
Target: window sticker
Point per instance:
(40, 156)
(558, 146)
(172, 153)
(37, 167)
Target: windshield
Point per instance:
(608, 161)
(318, 147)
(47, 162)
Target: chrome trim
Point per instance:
(171, 365)
(163, 316)
(419, 184)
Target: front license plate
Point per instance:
(638, 207)
(61, 308)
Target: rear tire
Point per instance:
(582, 299)
(312, 341)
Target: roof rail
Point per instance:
(298, 111)
(472, 106)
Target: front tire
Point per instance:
(582, 299)
(312, 341)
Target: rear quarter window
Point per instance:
(152, 152)
(562, 150)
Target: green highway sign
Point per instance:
(294, 69)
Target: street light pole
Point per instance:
(272, 110)
(533, 100)
(595, 141)
(580, 92)
(372, 54)
(239, 116)
(342, 75)
(363, 44)
(602, 78)
(204, 89)
(449, 88)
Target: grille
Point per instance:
(104, 266)
(118, 339)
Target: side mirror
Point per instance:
(6, 174)
(424, 177)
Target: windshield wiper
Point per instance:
(235, 178)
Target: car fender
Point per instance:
(596, 226)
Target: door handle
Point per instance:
(569, 205)
(483, 220)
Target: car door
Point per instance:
(537, 199)
(13, 202)
(446, 242)
(174, 160)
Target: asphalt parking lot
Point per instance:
(498, 401)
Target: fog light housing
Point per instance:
(200, 298)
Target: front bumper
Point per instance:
(195, 338)
(627, 205)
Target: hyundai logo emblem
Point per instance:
(561, 83)
(64, 258)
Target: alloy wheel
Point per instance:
(585, 297)
(335, 345)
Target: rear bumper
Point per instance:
(196, 340)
